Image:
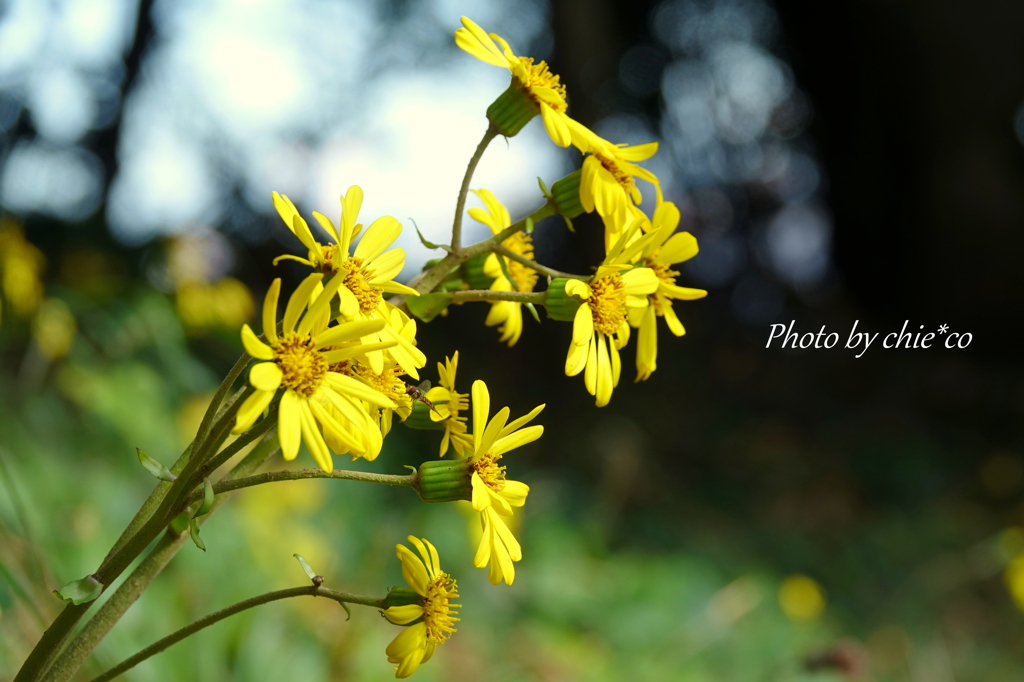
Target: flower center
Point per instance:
(304, 367)
(621, 176)
(456, 403)
(533, 76)
(666, 275)
(387, 382)
(523, 278)
(357, 280)
(608, 303)
(489, 472)
(438, 613)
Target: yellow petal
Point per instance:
(604, 373)
(413, 570)
(680, 247)
(583, 325)
(251, 409)
(328, 226)
(298, 301)
(481, 408)
(350, 205)
(476, 42)
(254, 347)
(400, 615)
(576, 360)
(674, 325)
(387, 265)
(266, 376)
(517, 439)
(314, 441)
(555, 125)
(640, 282)
(289, 425)
(576, 287)
(270, 311)
(379, 236)
(348, 331)
(522, 421)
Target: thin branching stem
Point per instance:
(460, 203)
(533, 265)
(535, 297)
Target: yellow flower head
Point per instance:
(435, 613)
(509, 314)
(665, 249)
(368, 273)
(600, 329)
(449, 407)
(608, 181)
(542, 86)
(21, 266)
(494, 495)
(298, 360)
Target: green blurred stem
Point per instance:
(192, 628)
(533, 265)
(460, 203)
(409, 481)
(536, 297)
(148, 569)
(218, 397)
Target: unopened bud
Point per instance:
(560, 305)
(513, 109)
(446, 480)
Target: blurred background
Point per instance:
(746, 514)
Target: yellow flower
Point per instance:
(21, 265)
(664, 250)
(536, 80)
(389, 383)
(608, 180)
(600, 329)
(298, 360)
(493, 494)
(509, 314)
(449, 405)
(435, 614)
(368, 273)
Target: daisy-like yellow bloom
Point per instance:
(298, 361)
(608, 180)
(536, 80)
(494, 495)
(435, 614)
(389, 383)
(665, 249)
(449, 406)
(368, 271)
(508, 314)
(601, 328)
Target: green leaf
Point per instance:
(154, 467)
(423, 240)
(543, 187)
(305, 566)
(347, 610)
(193, 530)
(207, 504)
(80, 591)
(568, 224)
(533, 311)
(428, 306)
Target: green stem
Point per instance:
(409, 481)
(533, 265)
(218, 397)
(216, 616)
(259, 429)
(460, 203)
(536, 297)
(148, 569)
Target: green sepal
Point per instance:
(207, 504)
(566, 195)
(193, 530)
(543, 187)
(420, 420)
(401, 596)
(423, 240)
(179, 523)
(154, 467)
(446, 480)
(560, 306)
(428, 306)
(305, 566)
(513, 109)
(473, 272)
(80, 591)
(533, 311)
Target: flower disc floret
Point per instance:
(303, 368)
(608, 303)
(357, 280)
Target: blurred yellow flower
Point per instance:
(801, 598)
(299, 361)
(224, 303)
(449, 405)
(435, 614)
(509, 314)
(493, 494)
(536, 80)
(53, 329)
(21, 267)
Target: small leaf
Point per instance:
(207, 504)
(568, 224)
(154, 467)
(305, 566)
(179, 523)
(80, 591)
(423, 240)
(347, 610)
(193, 530)
(428, 306)
(533, 311)
(543, 187)
(529, 225)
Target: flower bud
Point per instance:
(401, 596)
(474, 275)
(566, 195)
(513, 109)
(446, 480)
(419, 418)
(560, 305)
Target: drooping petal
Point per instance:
(674, 325)
(577, 359)
(554, 123)
(400, 615)
(604, 373)
(314, 440)
(647, 346)
(583, 325)
(289, 425)
(251, 409)
(254, 347)
(515, 492)
(266, 376)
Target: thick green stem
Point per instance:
(129, 591)
(192, 628)
(460, 203)
(536, 297)
(409, 481)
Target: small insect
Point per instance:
(419, 393)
